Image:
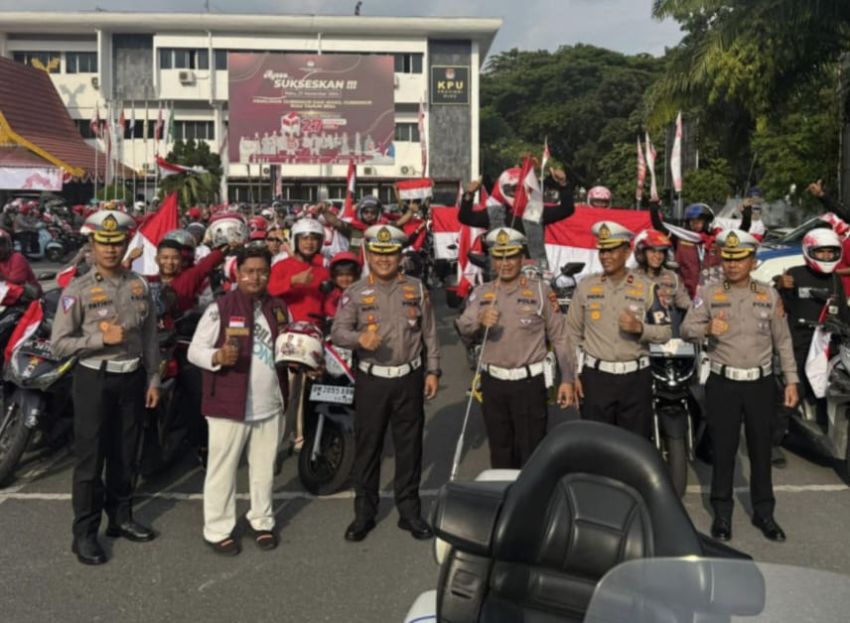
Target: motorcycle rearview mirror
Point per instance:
(572, 268)
(327, 287)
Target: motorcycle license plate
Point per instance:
(336, 394)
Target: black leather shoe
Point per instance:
(131, 531)
(358, 529)
(769, 528)
(417, 527)
(88, 551)
(721, 529)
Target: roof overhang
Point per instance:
(482, 30)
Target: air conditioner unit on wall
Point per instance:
(186, 76)
(369, 171)
(266, 170)
(95, 82)
(405, 170)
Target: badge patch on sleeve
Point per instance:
(68, 303)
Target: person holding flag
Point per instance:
(106, 319)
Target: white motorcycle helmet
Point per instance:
(300, 344)
(227, 228)
(822, 239)
(307, 226)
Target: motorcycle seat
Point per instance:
(591, 497)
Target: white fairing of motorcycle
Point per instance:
(424, 609)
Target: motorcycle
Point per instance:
(502, 537)
(673, 366)
(36, 405)
(49, 247)
(325, 462)
(827, 433)
(564, 284)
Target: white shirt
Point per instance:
(264, 397)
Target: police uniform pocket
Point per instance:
(762, 313)
(531, 322)
(412, 316)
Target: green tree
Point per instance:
(193, 188)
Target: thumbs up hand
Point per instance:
(718, 325)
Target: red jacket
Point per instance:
(332, 303)
(694, 258)
(17, 269)
(305, 301)
(189, 284)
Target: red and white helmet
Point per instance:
(822, 238)
(651, 239)
(505, 188)
(226, 228)
(257, 223)
(307, 226)
(302, 344)
(599, 194)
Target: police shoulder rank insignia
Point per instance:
(68, 303)
(489, 296)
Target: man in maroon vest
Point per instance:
(244, 396)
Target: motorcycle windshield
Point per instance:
(700, 589)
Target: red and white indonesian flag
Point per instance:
(26, 326)
(348, 212)
(571, 239)
(167, 169)
(528, 201)
(650, 163)
(446, 232)
(151, 232)
(641, 171)
(412, 190)
(676, 156)
(468, 274)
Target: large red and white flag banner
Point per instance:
(650, 163)
(413, 190)
(641, 171)
(150, 234)
(676, 156)
(569, 240)
(348, 212)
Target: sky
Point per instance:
(622, 25)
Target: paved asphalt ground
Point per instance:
(315, 575)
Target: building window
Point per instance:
(198, 130)
(221, 59)
(166, 58)
(408, 63)
(84, 127)
(81, 62)
(47, 61)
(386, 194)
(183, 58)
(407, 132)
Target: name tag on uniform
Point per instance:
(236, 327)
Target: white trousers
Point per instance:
(227, 440)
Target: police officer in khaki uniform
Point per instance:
(613, 317)
(523, 316)
(106, 319)
(744, 323)
(387, 320)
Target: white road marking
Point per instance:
(15, 494)
(33, 474)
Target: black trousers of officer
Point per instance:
(398, 404)
(727, 403)
(515, 415)
(108, 413)
(624, 400)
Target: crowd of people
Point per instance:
(260, 274)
